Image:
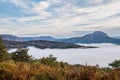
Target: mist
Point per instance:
(105, 54)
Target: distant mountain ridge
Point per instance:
(15, 38)
(96, 37)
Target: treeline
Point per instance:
(19, 65)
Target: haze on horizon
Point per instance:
(59, 18)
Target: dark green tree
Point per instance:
(115, 64)
(51, 61)
(21, 55)
(4, 55)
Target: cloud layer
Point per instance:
(58, 17)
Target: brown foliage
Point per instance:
(37, 71)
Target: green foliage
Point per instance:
(4, 55)
(115, 64)
(51, 61)
(21, 55)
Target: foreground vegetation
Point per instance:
(21, 66)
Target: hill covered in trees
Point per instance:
(43, 44)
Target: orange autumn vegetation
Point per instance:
(10, 70)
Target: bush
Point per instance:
(115, 64)
(50, 61)
(21, 55)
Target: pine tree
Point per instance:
(21, 55)
(4, 55)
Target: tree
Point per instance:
(4, 55)
(115, 64)
(21, 55)
(51, 61)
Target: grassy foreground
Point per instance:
(37, 70)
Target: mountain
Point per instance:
(46, 38)
(15, 38)
(9, 37)
(96, 37)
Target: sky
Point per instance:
(59, 18)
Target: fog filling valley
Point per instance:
(105, 54)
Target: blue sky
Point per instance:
(59, 18)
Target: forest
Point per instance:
(19, 65)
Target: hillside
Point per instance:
(42, 44)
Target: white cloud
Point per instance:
(53, 19)
(42, 16)
(41, 6)
(40, 9)
(93, 1)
